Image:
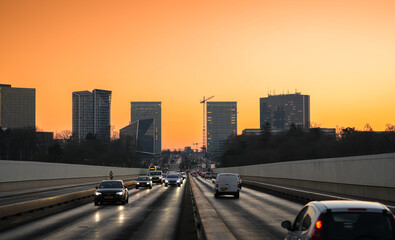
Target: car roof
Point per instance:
(227, 174)
(112, 181)
(349, 206)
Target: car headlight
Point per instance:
(166, 181)
(97, 193)
(178, 180)
(138, 183)
(119, 193)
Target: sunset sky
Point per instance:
(341, 53)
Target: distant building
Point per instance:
(149, 110)
(17, 107)
(280, 111)
(251, 131)
(91, 114)
(221, 124)
(139, 136)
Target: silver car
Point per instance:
(338, 220)
(144, 181)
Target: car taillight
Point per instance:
(217, 184)
(238, 184)
(317, 231)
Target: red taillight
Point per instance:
(317, 231)
(318, 224)
(238, 184)
(217, 184)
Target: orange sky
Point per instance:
(341, 53)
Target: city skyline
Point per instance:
(339, 52)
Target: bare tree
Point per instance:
(63, 135)
(390, 128)
(367, 128)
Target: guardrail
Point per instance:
(209, 224)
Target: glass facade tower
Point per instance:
(145, 111)
(91, 114)
(221, 124)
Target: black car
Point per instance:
(112, 191)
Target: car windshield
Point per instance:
(173, 176)
(114, 184)
(155, 173)
(358, 225)
(143, 179)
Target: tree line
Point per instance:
(26, 145)
(300, 144)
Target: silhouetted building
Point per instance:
(91, 114)
(280, 111)
(139, 136)
(17, 107)
(221, 124)
(149, 110)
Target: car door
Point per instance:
(302, 223)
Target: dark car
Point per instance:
(144, 181)
(112, 191)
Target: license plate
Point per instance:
(109, 197)
(224, 189)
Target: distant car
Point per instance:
(208, 175)
(227, 184)
(112, 191)
(240, 180)
(143, 181)
(327, 220)
(184, 175)
(173, 179)
(156, 176)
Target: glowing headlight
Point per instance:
(138, 183)
(119, 193)
(166, 181)
(97, 193)
(178, 180)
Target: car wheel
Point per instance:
(216, 195)
(178, 185)
(237, 195)
(165, 185)
(137, 187)
(150, 187)
(96, 203)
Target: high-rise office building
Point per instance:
(149, 110)
(221, 124)
(280, 111)
(17, 107)
(91, 114)
(139, 136)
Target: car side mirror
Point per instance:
(287, 225)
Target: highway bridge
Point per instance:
(59, 203)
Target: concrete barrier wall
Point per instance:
(370, 176)
(24, 174)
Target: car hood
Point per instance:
(109, 190)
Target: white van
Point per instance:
(227, 184)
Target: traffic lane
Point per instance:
(38, 193)
(255, 215)
(108, 221)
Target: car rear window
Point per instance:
(227, 178)
(142, 179)
(359, 225)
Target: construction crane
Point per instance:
(204, 122)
